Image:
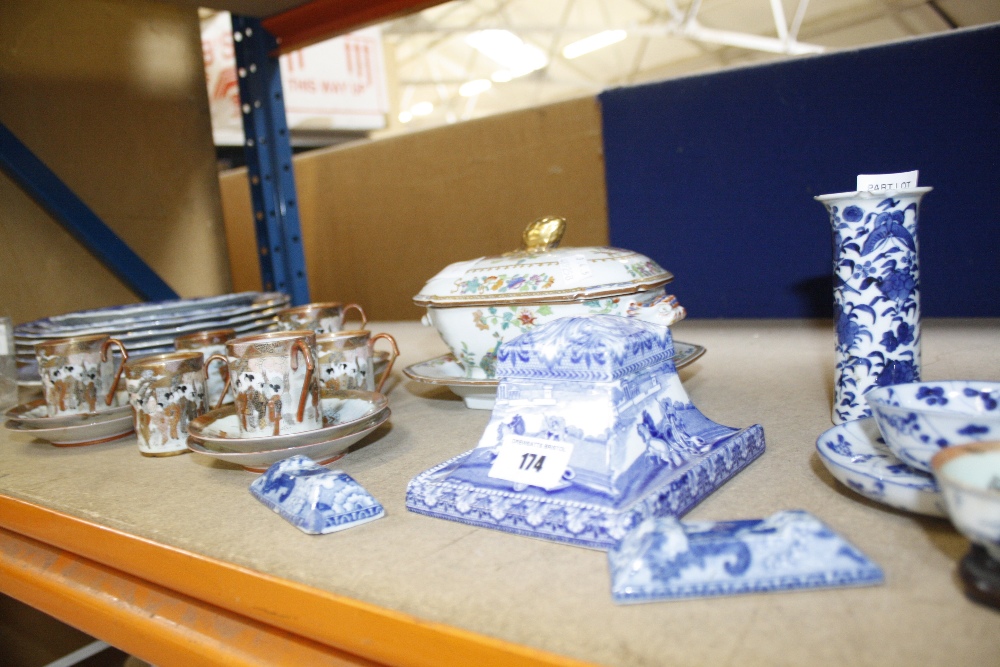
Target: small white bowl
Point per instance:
(919, 419)
(969, 476)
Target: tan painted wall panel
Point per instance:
(380, 218)
(110, 94)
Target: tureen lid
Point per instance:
(543, 273)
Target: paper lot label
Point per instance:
(532, 461)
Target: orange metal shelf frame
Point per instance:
(146, 620)
(322, 19)
(172, 606)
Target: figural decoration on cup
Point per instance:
(167, 392)
(319, 317)
(209, 343)
(346, 360)
(876, 288)
(274, 382)
(77, 375)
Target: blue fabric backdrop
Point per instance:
(714, 176)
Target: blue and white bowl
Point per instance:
(969, 476)
(919, 419)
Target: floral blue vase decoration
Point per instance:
(876, 290)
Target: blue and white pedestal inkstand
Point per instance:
(599, 399)
(876, 289)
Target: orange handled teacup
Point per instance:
(209, 343)
(77, 375)
(167, 392)
(319, 317)
(273, 382)
(346, 360)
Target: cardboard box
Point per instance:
(113, 101)
(380, 218)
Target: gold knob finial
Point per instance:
(544, 234)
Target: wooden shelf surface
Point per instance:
(174, 560)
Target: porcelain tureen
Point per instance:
(477, 305)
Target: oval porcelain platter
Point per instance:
(150, 328)
(857, 456)
(153, 314)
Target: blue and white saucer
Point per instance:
(857, 456)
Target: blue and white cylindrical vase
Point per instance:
(876, 290)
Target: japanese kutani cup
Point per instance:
(209, 343)
(78, 376)
(346, 360)
(274, 382)
(319, 317)
(969, 476)
(166, 391)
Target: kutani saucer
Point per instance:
(344, 412)
(480, 394)
(349, 415)
(856, 455)
(323, 452)
(34, 415)
(70, 430)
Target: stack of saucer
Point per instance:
(348, 416)
(70, 430)
(150, 328)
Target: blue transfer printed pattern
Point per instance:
(665, 559)
(920, 419)
(314, 499)
(857, 456)
(876, 295)
(603, 347)
(640, 447)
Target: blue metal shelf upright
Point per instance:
(267, 146)
(269, 161)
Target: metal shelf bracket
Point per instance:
(45, 187)
(269, 161)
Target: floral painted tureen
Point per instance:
(477, 305)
